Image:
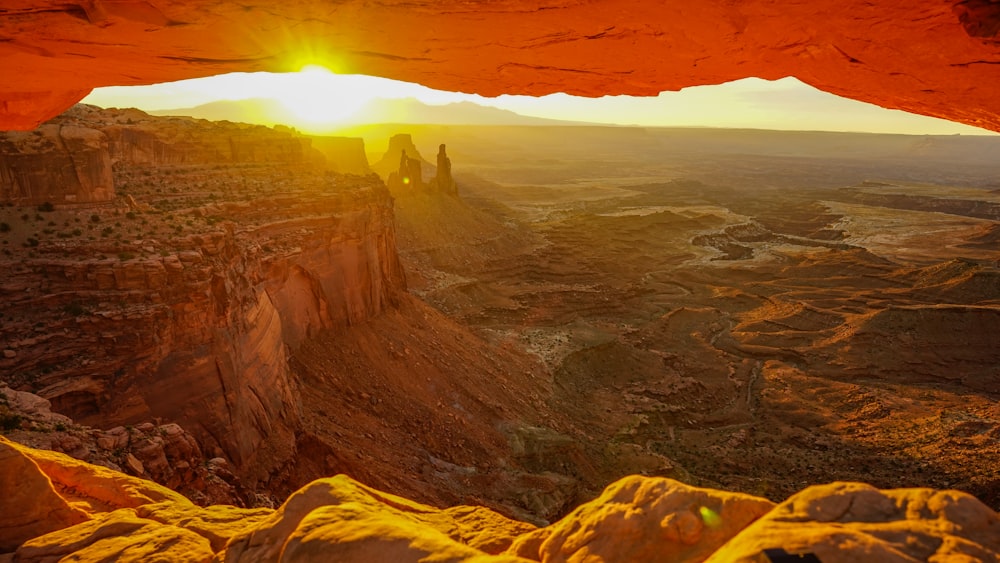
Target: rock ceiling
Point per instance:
(939, 58)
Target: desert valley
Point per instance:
(233, 311)
(628, 324)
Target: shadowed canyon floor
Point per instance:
(753, 312)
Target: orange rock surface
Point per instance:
(109, 516)
(935, 58)
(645, 519)
(845, 522)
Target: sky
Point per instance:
(322, 100)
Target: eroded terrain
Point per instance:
(754, 322)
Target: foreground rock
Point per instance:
(63, 509)
(164, 453)
(846, 522)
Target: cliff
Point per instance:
(343, 154)
(400, 144)
(195, 330)
(56, 163)
(70, 159)
(56, 507)
(181, 300)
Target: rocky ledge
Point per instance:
(53, 507)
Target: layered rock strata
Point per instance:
(70, 159)
(165, 310)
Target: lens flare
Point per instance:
(710, 517)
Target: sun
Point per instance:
(319, 98)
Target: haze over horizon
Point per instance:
(318, 101)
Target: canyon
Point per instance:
(236, 323)
(240, 312)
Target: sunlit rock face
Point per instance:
(934, 58)
(56, 163)
(94, 514)
(194, 330)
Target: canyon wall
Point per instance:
(343, 154)
(191, 319)
(70, 159)
(55, 163)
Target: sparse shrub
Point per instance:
(46, 207)
(130, 215)
(31, 241)
(9, 421)
(25, 217)
(125, 256)
(4, 228)
(60, 427)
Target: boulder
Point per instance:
(339, 519)
(644, 519)
(29, 503)
(848, 522)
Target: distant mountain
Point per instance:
(264, 111)
(410, 110)
(268, 111)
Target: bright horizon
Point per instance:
(318, 101)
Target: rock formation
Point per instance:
(343, 154)
(69, 160)
(164, 453)
(56, 163)
(443, 182)
(404, 169)
(938, 59)
(392, 161)
(408, 178)
(193, 324)
(63, 508)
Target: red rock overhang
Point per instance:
(939, 58)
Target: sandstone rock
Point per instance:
(343, 154)
(98, 487)
(931, 59)
(200, 337)
(29, 505)
(847, 522)
(408, 178)
(444, 182)
(117, 536)
(134, 464)
(399, 145)
(644, 519)
(216, 523)
(55, 164)
(32, 406)
(340, 519)
(8, 353)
